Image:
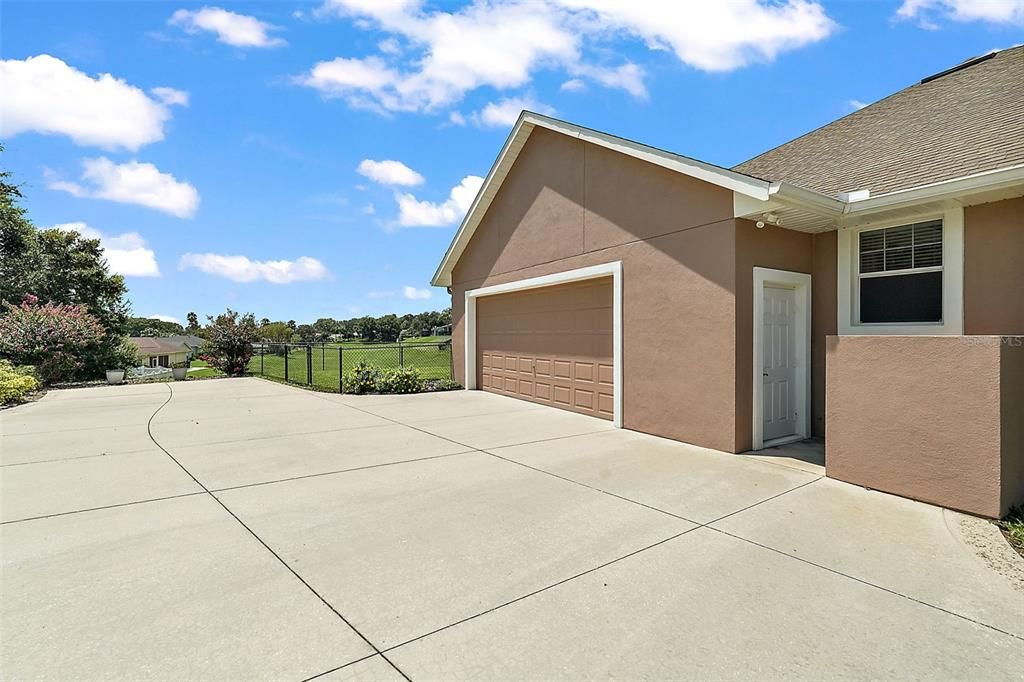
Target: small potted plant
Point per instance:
(180, 371)
(115, 376)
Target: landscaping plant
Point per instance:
(56, 338)
(16, 382)
(229, 342)
(363, 378)
(400, 380)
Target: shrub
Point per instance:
(57, 338)
(362, 378)
(447, 385)
(229, 342)
(16, 382)
(403, 380)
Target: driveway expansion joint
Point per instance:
(284, 563)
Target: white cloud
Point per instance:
(242, 269)
(456, 119)
(856, 104)
(390, 46)
(992, 11)
(376, 295)
(369, 209)
(164, 318)
(132, 183)
(505, 113)
(170, 96)
(414, 294)
(502, 44)
(44, 95)
(572, 85)
(389, 172)
(415, 213)
(126, 254)
(237, 30)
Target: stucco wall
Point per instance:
(565, 205)
(923, 417)
(993, 274)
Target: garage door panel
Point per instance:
(551, 345)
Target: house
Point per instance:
(862, 283)
(165, 351)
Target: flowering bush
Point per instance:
(403, 380)
(15, 382)
(229, 342)
(362, 378)
(54, 337)
(446, 385)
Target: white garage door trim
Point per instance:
(613, 269)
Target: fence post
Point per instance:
(287, 352)
(323, 355)
(309, 365)
(341, 370)
(263, 351)
(401, 354)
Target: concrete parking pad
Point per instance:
(225, 465)
(912, 548)
(696, 483)
(32, 490)
(166, 590)
(708, 606)
(408, 549)
(468, 535)
(425, 407)
(511, 428)
(374, 669)
(78, 443)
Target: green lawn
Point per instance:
(433, 360)
(207, 371)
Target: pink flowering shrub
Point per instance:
(53, 337)
(229, 338)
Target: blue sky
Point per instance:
(233, 156)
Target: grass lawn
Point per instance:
(432, 359)
(206, 370)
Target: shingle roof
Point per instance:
(155, 345)
(967, 121)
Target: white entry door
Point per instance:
(780, 392)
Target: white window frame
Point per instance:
(848, 278)
(613, 269)
(800, 282)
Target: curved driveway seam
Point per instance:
(262, 542)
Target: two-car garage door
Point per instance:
(550, 345)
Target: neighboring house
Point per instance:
(863, 283)
(161, 351)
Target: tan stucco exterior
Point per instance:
(928, 417)
(566, 205)
(994, 268)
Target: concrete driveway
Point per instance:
(241, 529)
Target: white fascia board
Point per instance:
(979, 182)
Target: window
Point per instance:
(900, 274)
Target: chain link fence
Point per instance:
(323, 365)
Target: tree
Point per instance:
(54, 337)
(291, 324)
(193, 323)
(306, 332)
(264, 322)
(388, 328)
(275, 332)
(229, 342)
(63, 268)
(149, 326)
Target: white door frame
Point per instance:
(614, 269)
(801, 283)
